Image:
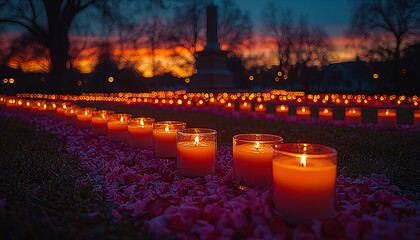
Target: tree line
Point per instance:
(58, 31)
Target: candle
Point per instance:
(118, 127)
(84, 117)
(11, 103)
(61, 108)
(27, 105)
(70, 114)
(164, 138)
(140, 132)
(417, 118)
(282, 111)
(196, 151)
(245, 108)
(100, 121)
(252, 156)
(230, 107)
(353, 116)
(51, 108)
(303, 113)
(325, 115)
(260, 110)
(43, 109)
(304, 178)
(387, 118)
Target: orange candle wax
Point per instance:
(164, 138)
(417, 118)
(118, 127)
(325, 115)
(252, 156)
(387, 118)
(282, 111)
(141, 132)
(260, 110)
(303, 113)
(70, 115)
(245, 108)
(99, 122)
(353, 116)
(304, 181)
(84, 117)
(196, 158)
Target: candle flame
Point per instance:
(103, 116)
(54, 106)
(257, 145)
(141, 122)
(282, 108)
(122, 119)
(303, 160)
(86, 113)
(325, 110)
(245, 104)
(354, 111)
(303, 109)
(386, 112)
(229, 104)
(167, 128)
(45, 106)
(196, 141)
(28, 104)
(260, 106)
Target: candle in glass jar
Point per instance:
(282, 111)
(100, 121)
(70, 114)
(196, 151)
(140, 131)
(325, 115)
(387, 118)
(84, 117)
(230, 107)
(118, 127)
(304, 178)
(61, 108)
(260, 110)
(303, 113)
(417, 118)
(245, 108)
(252, 156)
(164, 138)
(353, 116)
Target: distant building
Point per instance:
(212, 72)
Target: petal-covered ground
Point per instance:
(140, 185)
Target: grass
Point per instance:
(364, 151)
(44, 200)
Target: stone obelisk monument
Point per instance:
(212, 72)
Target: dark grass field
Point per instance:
(44, 200)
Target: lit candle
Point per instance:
(100, 121)
(325, 115)
(303, 113)
(140, 132)
(353, 116)
(304, 178)
(70, 114)
(51, 109)
(417, 118)
(252, 156)
(84, 117)
(27, 105)
(282, 111)
(61, 108)
(230, 107)
(260, 110)
(196, 151)
(387, 118)
(164, 138)
(118, 127)
(245, 108)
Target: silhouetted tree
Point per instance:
(394, 22)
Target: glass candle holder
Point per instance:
(140, 132)
(61, 107)
(303, 113)
(230, 107)
(118, 127)
(11, 103)
(325, 115)
(27, 104)
(353, 116)
(70, 114)
(84, 117)
(260, 110)
(99, 122)
(245, 108)
(196, 151)
(304, 177)
(37, 105)
(51, 109)
(387, 118)
(164, 138)
(282, 111)
(416, 118)
(252, 156)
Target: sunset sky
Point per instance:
(333, 16)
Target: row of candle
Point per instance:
(302, 175)
(274, 96)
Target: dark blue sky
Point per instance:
(332, 15)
